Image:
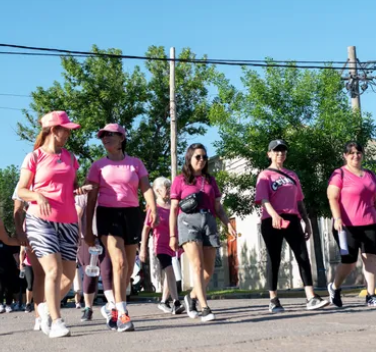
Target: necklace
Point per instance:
(59, 161)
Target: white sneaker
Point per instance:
(8, 309)
(78, 306)
(2, 308)
(59, 329)
(38, 324)
(45, 318)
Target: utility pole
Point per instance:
(173, 122)
(354, 79)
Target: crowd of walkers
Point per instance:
(57, 221)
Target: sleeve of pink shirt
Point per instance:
(175, 191)
(299, 195)
(75, 163)
(262, 188)
(94, 174)
(217, 192)
(336, 179)
(141, 169)
(29, 163)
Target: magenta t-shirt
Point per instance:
(54, 177)
(161, 233)
(357, 197)
(180, 190)
(280, 191)
(118, 181)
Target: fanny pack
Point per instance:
(190, 203)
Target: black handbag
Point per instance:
(190, 203)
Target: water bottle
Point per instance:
(343, 247)
(22, 273)
(92, 269)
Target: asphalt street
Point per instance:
(241, 325)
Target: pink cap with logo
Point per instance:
(58, 118)
(112, 127)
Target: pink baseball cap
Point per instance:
(58, 118)
(112, 127)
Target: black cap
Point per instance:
(276, 143)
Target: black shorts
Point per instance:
(120, 222)
(165, 260)
(358, 237)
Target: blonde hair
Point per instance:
(159, 182)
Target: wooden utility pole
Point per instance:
(173, 122)
(354, 79)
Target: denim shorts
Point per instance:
(198, 227)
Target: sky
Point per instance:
(237, 29)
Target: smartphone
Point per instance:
(285, 224)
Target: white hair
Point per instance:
(159, 182)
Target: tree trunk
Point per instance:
(321, 276)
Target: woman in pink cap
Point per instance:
(116, 180)
(51, 219)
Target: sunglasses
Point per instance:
(203, 157)
(108, 134)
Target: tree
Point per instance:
(98, 90)
(8, 182)
(310, 111)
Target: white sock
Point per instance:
(109, 294)
(121, 307)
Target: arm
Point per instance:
(305, 217)
(333, 194)
(5, 238)
(150, 200)
(173, 222)
(144, 242)
(19, 218)
(22, 256)
(276, 219)
(91, 201)
(223, 217)
(80, 212)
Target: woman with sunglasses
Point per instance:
(351, 194)
(279, 192)
(116, 180)
(198, 233)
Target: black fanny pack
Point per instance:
(190, 203)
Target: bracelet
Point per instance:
(337, 219)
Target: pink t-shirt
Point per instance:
(118, 181)
(280, 191)
(357, 197)
(180, 190)
(161, 233)
(54, 178)
(26, 260)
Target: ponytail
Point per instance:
(41, 137)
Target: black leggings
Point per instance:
(294, 236)
(29, 276)
(104, 262)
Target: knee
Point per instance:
(119, 264)
(197, 265)
(54, 273)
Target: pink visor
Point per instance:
(112, 127)
(58, 118)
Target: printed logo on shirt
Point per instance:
(280, 182)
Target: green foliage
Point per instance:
(98, 90)
(8, 182)
(307, 109)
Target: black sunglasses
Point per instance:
(203, 157)
(108, 134)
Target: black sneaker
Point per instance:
(371, 301)
(316, 302)
(275, 306)
(177, 308)
(191, 306)
(88, 314)
(207, 315)
(28, 308)
(335, 295)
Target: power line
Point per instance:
(15, 95)
(253, 63)
(9, 108)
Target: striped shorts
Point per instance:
(48, 237)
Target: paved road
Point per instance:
(242, 325)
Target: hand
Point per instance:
(83, 190)
(143, 254)
(44, 205)
(174, 243)
(277, 221)
(154, 219)
(231, 231)
(90, 238)
(22, 239)
(338, 225)
(308, 230)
